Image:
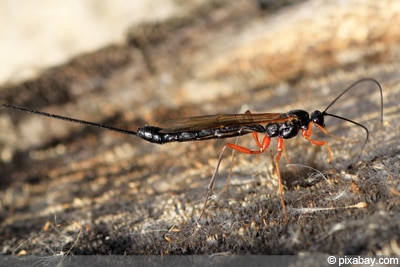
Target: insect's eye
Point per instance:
(318, 118)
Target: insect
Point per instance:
(272, 125)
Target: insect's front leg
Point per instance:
(307, 135)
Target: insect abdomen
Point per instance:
(153, 135)
(160, 136)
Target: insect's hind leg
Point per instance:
(280, 147)
(235, 148)
(211, 183)
(262, 147)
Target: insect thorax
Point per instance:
(297, 119)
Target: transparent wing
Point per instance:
(198, 123)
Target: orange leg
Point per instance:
(255, 137)
(307, 135)
(278, 172)
(262, 147)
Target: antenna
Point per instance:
(344, 92)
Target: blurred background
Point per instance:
(41, 33)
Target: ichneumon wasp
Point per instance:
(280, 125)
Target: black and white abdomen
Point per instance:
(157, 135)
(153, 135)
(160, 136)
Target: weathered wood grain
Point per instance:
(70, 188)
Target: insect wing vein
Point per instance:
(199, 123)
